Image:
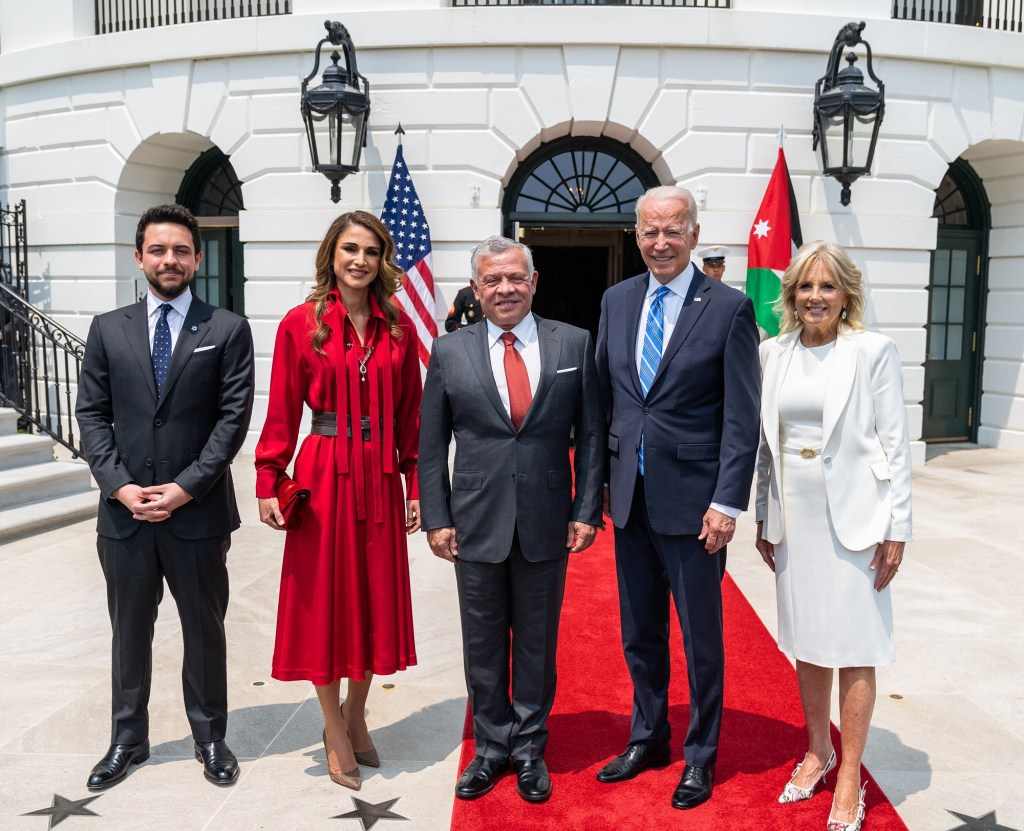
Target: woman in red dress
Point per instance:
(350, 355)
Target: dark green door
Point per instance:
(952, 360)
(219, 280)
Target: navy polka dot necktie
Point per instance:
(161, 348)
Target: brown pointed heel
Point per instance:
(368, 757)
(364, 757)
(351, 779)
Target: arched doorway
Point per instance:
(572, 202)
(211, 190)
(956, 289)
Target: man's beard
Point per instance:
(168, 289)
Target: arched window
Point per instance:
(210, 187)
(211, 190)
(958, 198)
(587, 181)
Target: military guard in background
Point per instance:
(466, 305)
(713, 259)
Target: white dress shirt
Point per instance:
(677, 287)
(527, 345)
(175, 318)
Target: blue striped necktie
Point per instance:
(161, 348)
(654, 342)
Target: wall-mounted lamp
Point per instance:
(335, 112)
(847, 114)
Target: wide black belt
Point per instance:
(326, 424)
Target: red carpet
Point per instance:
(762, 732)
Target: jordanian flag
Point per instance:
(774, 238)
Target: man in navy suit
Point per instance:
(164, 400)
(677, 361)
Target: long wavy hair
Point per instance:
(840, 267)
(387, 282)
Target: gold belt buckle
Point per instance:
(808, 453)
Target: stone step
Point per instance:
(25, 449)
(21, 520)
(8, 422)
(29, 486)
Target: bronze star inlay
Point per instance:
(369, 813)
(62, 808)
(986, 822)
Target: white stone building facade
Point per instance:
(95, 128)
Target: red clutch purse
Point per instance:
(292, 501)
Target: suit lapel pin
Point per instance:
(193, 328)
(696, 300)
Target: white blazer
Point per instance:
(865, 453)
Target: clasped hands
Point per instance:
(443, 543)
(154, 503)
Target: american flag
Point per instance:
(403, 215)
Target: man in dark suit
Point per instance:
(514, 390)
(465, 306)
(164, 401)
(677, 359)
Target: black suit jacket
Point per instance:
(189, 435)
(504, 480)
(700, 420)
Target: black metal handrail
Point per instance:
(126, 15)
(1006, 15)
(42, 364)
(703, 4)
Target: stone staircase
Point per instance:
(36, 492)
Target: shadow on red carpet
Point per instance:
(762, 731)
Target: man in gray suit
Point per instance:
(164, 400)
(515, 391)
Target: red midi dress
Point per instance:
(345, 605)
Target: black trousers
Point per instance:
(511, 610)
(197, 576)
(650, 567)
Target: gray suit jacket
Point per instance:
(503, 480)
(189, 435)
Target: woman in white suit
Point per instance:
(833, 507)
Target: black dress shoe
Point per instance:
(532, 779)
(113, 767)
(634, 759)
(694, 788)
(479, 777)
(219, 764)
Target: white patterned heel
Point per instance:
(792, 793)
(836, 825)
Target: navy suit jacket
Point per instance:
(188, 435)
(700, 419)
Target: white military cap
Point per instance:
(714, 252)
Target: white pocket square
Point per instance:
(204, 348)
(567, 369)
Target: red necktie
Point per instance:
(519, 395)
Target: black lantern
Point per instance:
(847, 114)
(335, 113)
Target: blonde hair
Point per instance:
(387, 282)
(840, 267)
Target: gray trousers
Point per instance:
(510, 610)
